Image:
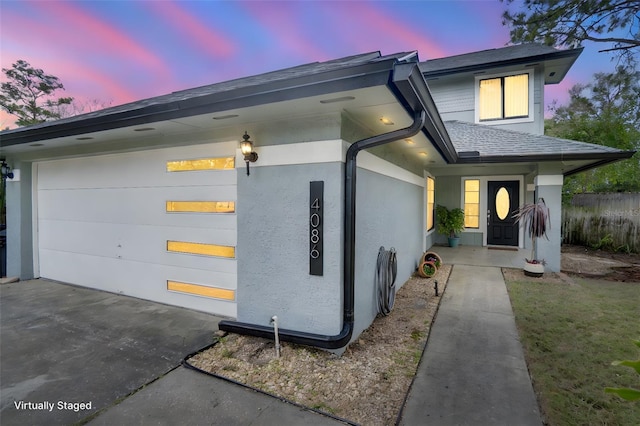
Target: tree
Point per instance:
(28, 94)
(570, 22)
(82, 107)
(604, 112)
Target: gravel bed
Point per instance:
(366, 385)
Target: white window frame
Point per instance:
(526, 119)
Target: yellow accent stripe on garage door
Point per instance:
(213, 163)
(201, 290)
(201, 206)
(200, 248)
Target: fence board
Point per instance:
(609, 220)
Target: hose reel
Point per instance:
(385, 279)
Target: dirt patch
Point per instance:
(584, 262)
(367, 384)
(514, 274)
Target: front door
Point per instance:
(501, 204)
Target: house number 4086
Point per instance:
(316, 204)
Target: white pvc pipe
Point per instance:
(274, 320)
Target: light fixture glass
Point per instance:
(386, 121)
(409, 141)
(246, 147)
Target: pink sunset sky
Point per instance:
(121, 51)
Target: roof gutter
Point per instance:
(341, 339)
(411, 87)
(602, 159)
(628, 154)
(486, 159)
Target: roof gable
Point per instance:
(313, 68)
(384, 82)
(363, 70)
(520, 54)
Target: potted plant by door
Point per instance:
(535, 219)
(450, 223)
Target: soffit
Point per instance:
(365, 106)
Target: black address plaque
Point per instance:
(316, 208)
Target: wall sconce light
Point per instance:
(246, 147)
(5, 170)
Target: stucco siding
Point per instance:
(273, 248)
(549, 248)
(390, 214)
(19, 230)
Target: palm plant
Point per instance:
(535, 219)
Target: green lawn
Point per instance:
(570, 334)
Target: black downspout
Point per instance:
(340, 340)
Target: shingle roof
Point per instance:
(310, 69)
(399, 72)
(486, 58)
(494, 144)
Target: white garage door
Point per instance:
(159, 224)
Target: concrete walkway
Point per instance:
(473, 371)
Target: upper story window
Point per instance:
(506, 97)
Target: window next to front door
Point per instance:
(472, 203)
(431, 190)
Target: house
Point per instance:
(154, 199)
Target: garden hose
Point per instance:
(386, 271)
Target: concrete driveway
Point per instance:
(68, 352)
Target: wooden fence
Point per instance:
(607, 221)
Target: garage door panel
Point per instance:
(146, 281)
(144, 168)
(144, 206)
(146, 244)
(127, 276)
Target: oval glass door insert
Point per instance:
(502, 203)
